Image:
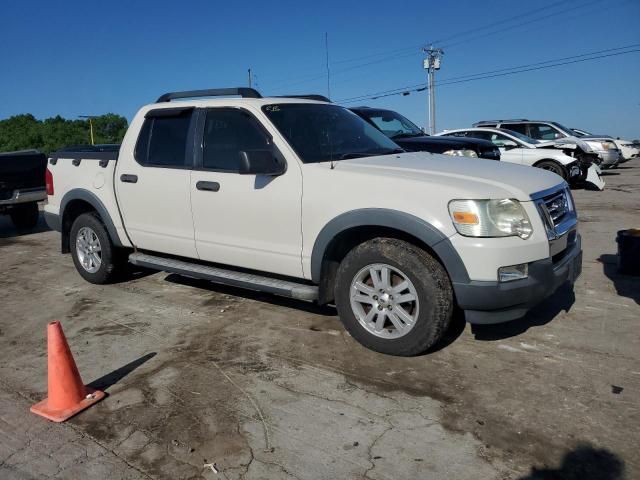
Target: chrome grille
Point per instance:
(557, 212)
(557, 206)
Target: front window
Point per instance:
(392, 124)
(322, 133)
(541, 131)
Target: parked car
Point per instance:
(411, 138)
(304, 199)
(628, 149)
(22, 186)
(563, 159)
(545, 130)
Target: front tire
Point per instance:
(554, 167)
(393, 297)
(93, 252)
(25, 216)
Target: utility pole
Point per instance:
(249, 73)
(326, 49)
(90, 118)
(431, 64)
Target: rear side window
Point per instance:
(227, 132)
(163, 140)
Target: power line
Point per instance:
(415, 50)
(498, 73)
(446, 80)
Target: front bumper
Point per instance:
(609, 157)
(496, 302)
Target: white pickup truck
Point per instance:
(302, 198)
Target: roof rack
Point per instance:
(504, 120)
(311, 96)
(243, 92)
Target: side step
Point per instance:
(249, 281)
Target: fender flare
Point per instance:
(96, 203)
(401, 221)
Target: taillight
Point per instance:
(48, 181)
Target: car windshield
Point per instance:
(392, 124)
(521, 137)
(580, 133)
(567, 131)
(322, 132)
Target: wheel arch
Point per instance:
(76, 202)
(350, 229)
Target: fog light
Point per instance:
(514, 272)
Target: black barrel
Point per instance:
(629, 251)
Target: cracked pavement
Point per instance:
(265, 387)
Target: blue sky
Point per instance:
(97, 57)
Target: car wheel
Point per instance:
(393, 297)
(94, 255)
(25, 216)
(554, 167)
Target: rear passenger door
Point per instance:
(153, 187)
(250, 221)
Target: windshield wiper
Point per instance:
(348, 155)
(407, 135)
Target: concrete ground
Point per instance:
(264, 387)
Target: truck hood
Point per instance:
(464, 177)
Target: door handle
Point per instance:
(127, 178)
(208, 186)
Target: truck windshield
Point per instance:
(323, 133)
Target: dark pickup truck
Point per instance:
(406, 134)
(22, 186)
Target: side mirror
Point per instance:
(261, 162)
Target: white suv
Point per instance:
(303, 198)
(604, 147)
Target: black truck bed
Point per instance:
(23, 169)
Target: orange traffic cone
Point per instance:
(67, 393)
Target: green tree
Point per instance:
(23, 132)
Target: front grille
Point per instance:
(557, 207)
(557, 212)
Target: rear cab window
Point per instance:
(163, 139)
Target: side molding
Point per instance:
(95, 202)
(402, 221)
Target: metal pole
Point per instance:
(249, 73)
(432, 102)
(91, 129)
(326, 48)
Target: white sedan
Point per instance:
(555, 156)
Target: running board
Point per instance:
(250, 281)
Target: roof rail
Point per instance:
(311, 96)
(504, 120)
(243, 92)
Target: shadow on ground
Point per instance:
(8, 230)
(562, 300)
(625, 285)
(114, 377)
(327, 311)
(583, 463)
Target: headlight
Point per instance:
(595, 145)
(490, 218)
(461, 153)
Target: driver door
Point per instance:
(250, 221)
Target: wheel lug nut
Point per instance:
(379, 307)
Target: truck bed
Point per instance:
(21, 170)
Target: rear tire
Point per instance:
(93, 252)
(25, 216)
(367, 307)
(554, 167)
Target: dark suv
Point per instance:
(406, 134)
